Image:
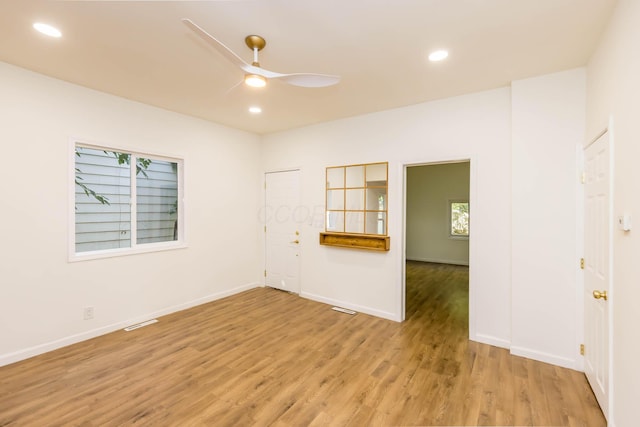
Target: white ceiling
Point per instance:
(142, 51)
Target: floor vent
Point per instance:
(140, 325)
(343, 310)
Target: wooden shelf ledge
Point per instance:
(356, 241)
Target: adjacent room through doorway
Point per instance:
(437, 237)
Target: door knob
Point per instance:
(600, 294)
(295, 241)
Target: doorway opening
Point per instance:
(436, 245)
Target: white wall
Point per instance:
(613, 92)
(548, 117)
(430, 188)
(41, 294)
(475, 127)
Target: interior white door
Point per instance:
(282, 233)
(597, 236)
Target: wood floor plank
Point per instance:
(266, 357)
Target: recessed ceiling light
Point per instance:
(47, 29)
(438, 55)
(255, 110)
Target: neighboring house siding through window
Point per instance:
(157, 198)
(117, 207)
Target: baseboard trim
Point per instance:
(544, 357)
(439, 261)
(355, 307)
(491, 340)
(27, 353)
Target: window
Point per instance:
(357, 199)
(125, 202)
(459, 218)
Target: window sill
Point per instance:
(459, 237)
(111, 253)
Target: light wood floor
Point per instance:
(265, 357)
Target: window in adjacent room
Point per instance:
(125, 202)
(459, 218)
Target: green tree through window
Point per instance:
(460, 219)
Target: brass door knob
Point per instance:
(600, 295)
(295, 241)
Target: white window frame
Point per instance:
(450, 216)
(135, 248)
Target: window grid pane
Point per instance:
(356, 199)
(102, 195)
(157, 201)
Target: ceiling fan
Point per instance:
(255, 75)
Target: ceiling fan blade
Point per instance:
(308, 79)
(216, 44)
(228, 91)
(296, 79)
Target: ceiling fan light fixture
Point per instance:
(255, 80)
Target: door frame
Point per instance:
(473, 251)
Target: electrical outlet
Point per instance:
(88, 313)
